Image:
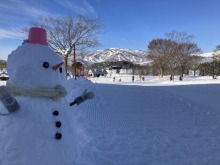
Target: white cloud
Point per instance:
(89, 8)
(78, 6)
(11, 34)
(20, 11)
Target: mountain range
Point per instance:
(116, 54)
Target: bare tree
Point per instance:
(172, 51)
(66, 33)
(186, 55)
(179, 37)
(157, 52)
(163, 53)
(183, 49)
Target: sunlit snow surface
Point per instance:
(150, 122)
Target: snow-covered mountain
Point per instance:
(115, 54)
(206, 57)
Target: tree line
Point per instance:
(211, 68)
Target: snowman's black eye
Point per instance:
(60, 69)
(45, 64)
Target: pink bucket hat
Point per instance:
(37, 36)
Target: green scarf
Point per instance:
(53, 93)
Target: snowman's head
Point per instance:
(35, 65)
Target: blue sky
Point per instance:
(130, 24)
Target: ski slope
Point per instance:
(166, 125)
(150, 125)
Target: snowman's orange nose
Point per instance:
(55, 67)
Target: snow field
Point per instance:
(148, 122)
(153, 125)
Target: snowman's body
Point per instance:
(28, 136)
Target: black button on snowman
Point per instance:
(58, 124)
(55, 113)
(58, 136)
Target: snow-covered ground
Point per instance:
(150, 122)
(155, 80)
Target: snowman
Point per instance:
(41, 127)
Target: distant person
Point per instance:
(114, 79)
(171, 78)
(142, 78)
(133, 78)
(181, 78)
